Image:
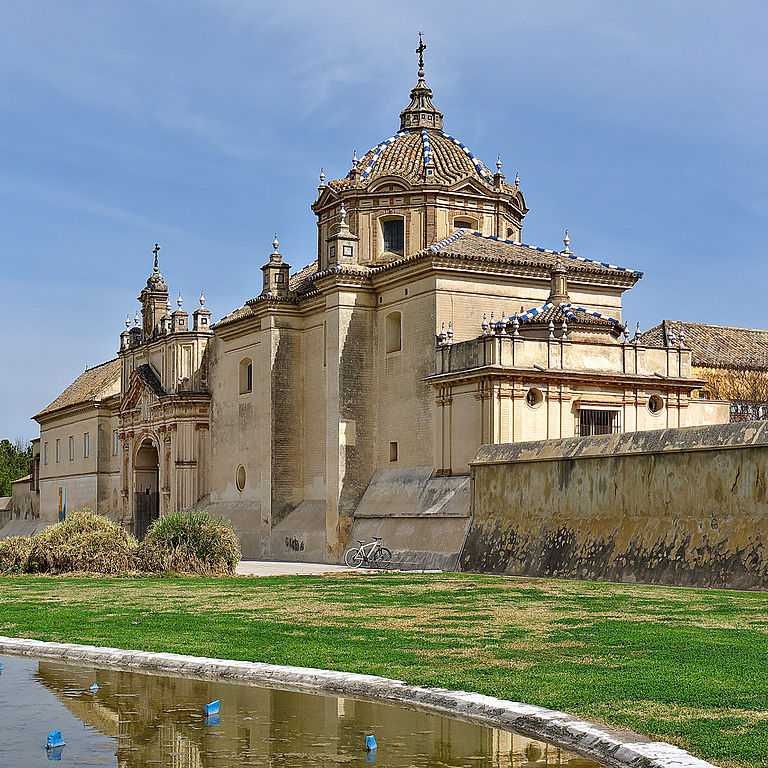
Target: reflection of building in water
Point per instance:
(160, 718)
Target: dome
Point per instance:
(421, 155)
(421, 152)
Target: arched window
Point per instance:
(246, 376)
(468, 224)
(393, 235)
(393, 332)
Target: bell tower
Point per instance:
(154, 300)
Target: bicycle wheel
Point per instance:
(353, 558)
(382, 556)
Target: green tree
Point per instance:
(15, 461)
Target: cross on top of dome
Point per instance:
(421, 112)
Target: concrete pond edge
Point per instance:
(611, 747)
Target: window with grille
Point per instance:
(394, 236)
(593, 422)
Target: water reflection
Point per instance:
(159, 721)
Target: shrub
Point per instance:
(190, 542)
(14, 554)
(84, 541)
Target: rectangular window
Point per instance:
(394, 236)
(393, 451)
(58, 451)
(45, 453)
(593, 422)
(114, 442)
(86, 445)
(279, 277)
(71, 448)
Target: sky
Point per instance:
(202, 125)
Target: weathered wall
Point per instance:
(675, 506)
(422, 519)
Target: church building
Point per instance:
(349, 398)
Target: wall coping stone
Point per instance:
(713, 437)
(611, 747)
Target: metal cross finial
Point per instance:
(156, 250)
(420, 50)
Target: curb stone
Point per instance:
(611, 748)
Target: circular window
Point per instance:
(655, 404)
(534, 397)
(240, 478)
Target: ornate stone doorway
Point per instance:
(146, 489)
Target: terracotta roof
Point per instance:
(299, 284)
(475, 245)
(94, 385)
(714, 346)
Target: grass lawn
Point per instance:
(687, 666)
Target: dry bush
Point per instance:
(14, 553)
(84, 541)
(190, 542)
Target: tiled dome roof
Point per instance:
(423, 155)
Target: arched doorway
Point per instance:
(146, 488)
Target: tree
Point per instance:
(15, 462)
(745, 386)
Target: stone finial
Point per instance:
(179, 301)
(502, 325)
(626, 335)
(168, 306)
(484, 324)
(551, 330)
(515, 326)
(567, 243)
(517, 179)
(671, 338)
(443, 335)
(322, 176)
(128, 321)
(137, 319)
(450, 331)
(275, 244)
(498, 163)
(202, 299)
(564, 328)
(343, 214)
(491, 326)
(355, 159)
(636, 340)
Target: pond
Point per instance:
(135, 720)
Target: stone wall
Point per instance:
(673, 506)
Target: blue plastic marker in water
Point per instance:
(94, 687)
(54, 740)
(212, 719)
(55, 753)
(212, 708)
(370, 743)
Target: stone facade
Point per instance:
(351, 395)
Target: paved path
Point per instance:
(273, 568)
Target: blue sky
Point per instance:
(203, 124)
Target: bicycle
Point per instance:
(372, 554)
